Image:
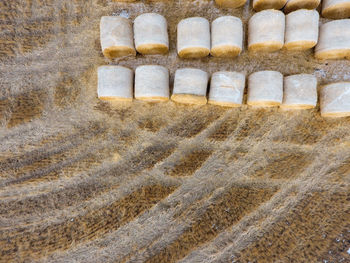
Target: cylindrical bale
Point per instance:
(152, 83)
(227, 88)
(230, 3)
(115, 83)
(300, 92)
(265, 88)
(259, 5)
(116, 37)
(193, 37)
(335, 100)
(266, 31)
(334, 40)
(293, 5)
(226, 36)
(190, 86)
(301, 29)
(151, 34)
(336, 9)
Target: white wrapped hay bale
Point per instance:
(115, 83)
(193, 37)
(334, 40)
(190, 86)
(265, 88)
(152, 83)
(259, 5)
(335, 100)
(226, 36)
(230, 3)
(266, 31)
(336, 9)
(227, 88)
(301, 29)
(151, 34)
(300, 92)
(116, 37)
(293, 5)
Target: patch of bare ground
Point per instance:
(190, 162)
(283, 165)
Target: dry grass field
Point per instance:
(87, 181)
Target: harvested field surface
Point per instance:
(83, 180)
